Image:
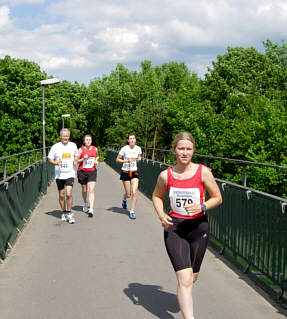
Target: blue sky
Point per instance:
(78, 40)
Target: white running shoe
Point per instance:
(91, 212)
(64, 217)
(86, 207)
(70, 218)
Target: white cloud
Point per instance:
(80, 34)
(4, 17)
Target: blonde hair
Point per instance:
(182, 136)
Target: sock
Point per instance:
(131, 211)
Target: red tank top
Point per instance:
(183, 192)
(89, 163)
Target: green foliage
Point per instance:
(237, 111)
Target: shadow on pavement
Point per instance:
(55, 213)
(77, 208)
(118, 210)
(153, 299)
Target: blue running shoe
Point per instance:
(124, 204)
(132, 215)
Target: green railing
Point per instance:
(249, 228)
(20, 191)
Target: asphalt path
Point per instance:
(109, 267)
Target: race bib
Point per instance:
(179, 197)
(132, 166)
(67, 163)
(89, 162)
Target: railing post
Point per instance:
(4, 169)
(19, 163)
(244, 175)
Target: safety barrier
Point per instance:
(19, 195)
(249, 228)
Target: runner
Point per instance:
(129, 155)
(186, 229)
(88, 157)
(62, 155)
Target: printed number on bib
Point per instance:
(89, 162)
(181, 202)
(66, 166)
(180, 197)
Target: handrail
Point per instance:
(205, 157)
(29, 162)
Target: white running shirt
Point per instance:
(126, 152)
(66, 153)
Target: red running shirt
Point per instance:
(184, 192)
(88, 164)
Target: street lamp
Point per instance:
(63, 118)
(43, 83)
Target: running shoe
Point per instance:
(70, 218)
(91, 213)
(64, 217)
(124, 204)
(132, 215)
(86, 207)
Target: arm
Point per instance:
(78, 159)
(210, 185)
(212, 189)
(53, 162)
(157, 199)
(120, 159)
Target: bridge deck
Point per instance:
(112, 267)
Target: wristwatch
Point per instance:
(203, 208)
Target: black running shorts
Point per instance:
(127, 176)
(186, 242)
(61, 183)
(84, 177)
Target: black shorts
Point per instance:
(127, 176)
(186, 242)
(61, 183)
(84, 177)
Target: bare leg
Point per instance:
(62, 200)
(84, 193)
(134, 189)
(69, 198)
(184, 292)
(127, 186)
(91, 188)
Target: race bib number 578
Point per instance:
(179, 197)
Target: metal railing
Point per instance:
(167, 157)
(14, 164)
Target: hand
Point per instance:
(192, 209)
(86, 156)
(59, 162)
(166, 221)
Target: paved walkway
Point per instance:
(112, 267)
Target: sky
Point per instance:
(79, 40)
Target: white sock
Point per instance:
(131, 211)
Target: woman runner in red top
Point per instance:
(186, 229)
(87, 173)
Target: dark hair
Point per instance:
(129, 137)
(85, 137)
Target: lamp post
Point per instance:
(63, 119)
(43, 83)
